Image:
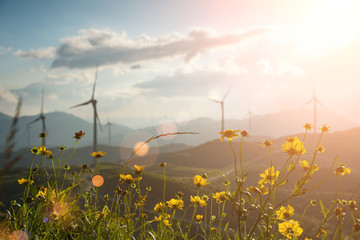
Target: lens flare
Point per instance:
(60, 208)
(167, 127)
(18, 235)
(143, 150)
(97, 181)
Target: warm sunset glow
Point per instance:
(60, 208)
(143, 150)
(167, 127)
(97, 181)
(328, 23)
(18, 235)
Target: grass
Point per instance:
(174, 201)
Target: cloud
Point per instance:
(7, 96)
(104, 47)
(43, 53)
(197, 83)
(4, 50)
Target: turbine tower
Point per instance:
(249, 115)
(108, 125)
(315, 101)
(222, 107)
(41, 116)
(93, 102)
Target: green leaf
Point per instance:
(322, 209)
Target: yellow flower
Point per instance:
(290, 229)
(159, 207)
(98, 154)
(129, 179)
(313, 202)
(285, 213)
(342, 169)
(199, 181)
(308, 126)
(42, 194)
(308, 238)
(35, 150)
(305, 165)
(103, 213)
(269, 176)
(43, 151)
(352, 204)
(356, 227)
(338, 211)
(197, 201)
(176, 204)
(229, 134)
(220, 196)
(106, 197)
(199, 218)
(267, 143)
(164, 218)
(244, 133)
(138, 169)
(320, 149)
(293, 146)
(24, 181)
(325, 128)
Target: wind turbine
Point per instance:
(93, 102)
(315, 101)
(108, 125)
(28, 135)
(222, 107)
(41, 116)
(249, 115)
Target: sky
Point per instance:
(164, 59)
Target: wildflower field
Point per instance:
(111, 201)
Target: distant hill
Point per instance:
(61, 127)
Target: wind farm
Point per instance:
(170, 120)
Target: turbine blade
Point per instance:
(227, 93)
(307, 102)
(97, 117)
(217, 101)
(42, 102)
(93, 93)
(44, 125)
(82, 104)
(320, 103)
(37, 119)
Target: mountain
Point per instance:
(269, 125)
(61, 127)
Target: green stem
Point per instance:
(232, 149)
(164, 186)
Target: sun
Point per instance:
(328, 23)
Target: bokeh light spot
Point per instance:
(18, 235)
(97, 181)
(167, 127)
(143, 150)
(60, 208)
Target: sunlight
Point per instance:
(143, 151)
(97, 181)
(328, 23)
(167, 127)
